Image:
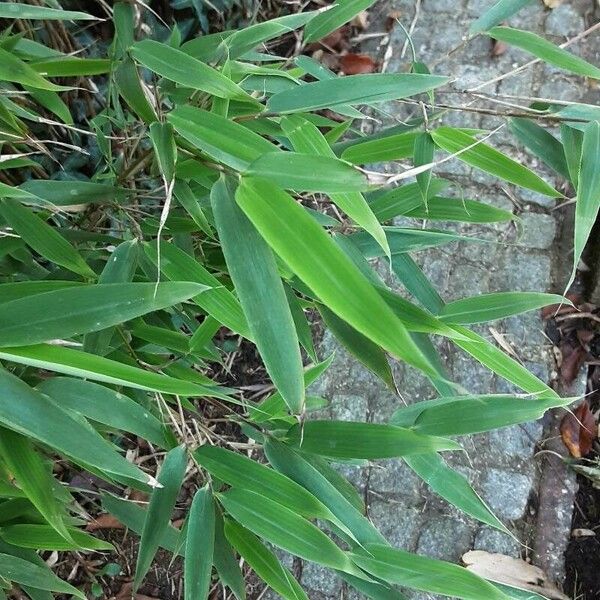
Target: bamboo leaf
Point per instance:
(199, 546)
(544, 50)
(486, 158)
(461, 210)
(254, 273)
(161, 506)
(44, 537)
(326, 22)
(15, 70)
(16, 10)
(128, 83)
(500, 11)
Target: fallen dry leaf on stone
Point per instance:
(552, 3)
(105, 521)
(355, 64)
(511, 571)
(580, 533)
(578, 430)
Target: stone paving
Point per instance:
(501, 465)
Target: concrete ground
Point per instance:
(501, 465)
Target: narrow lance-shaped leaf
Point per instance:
(165, 150)
(254, 273)
(453, 487)
(264, 562)
(32, 414)
(323, 266)
(66, 312)
(423, 155)
(307, 138)
(497, 305)
(484, 157)
(588, 192)
(159, 512)
(350, 439)
(545, 50)
(33, 476)
(225, 561)
(15, 70)
(461, 210)
(43, 238)
(17, 10)
(426, 574)
(128, 83)
(199, 546)
(44, 537)
(572, 140)
(500, 11)
(326, 22)
(353, 89)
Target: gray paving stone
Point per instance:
(492, 540)
(320, 579)
(539, 231)
(506, 492)
(564, 21)
(445, 538)
(396, 478)
(397, 522)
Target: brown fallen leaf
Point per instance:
(392, 19)
(104, 521)
(338, 40)
(355, 64)
(498, 48)
(361, 20)
(126, 593)
(578, 430)
(582, 533)
(511, 571)
(572, 359)
(552, 3)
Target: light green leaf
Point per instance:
(502, 10)
(486, 158)
(350, 439)
(222, 139)
(423, 155)
(43, 238)
(324, 267)
(72, 67)
(58, 192)
(21, 289)
(183, 69)
(353, 89)
(453, 487)
(26, 573)
(588, 192)
(15, 70)
(426, 574)
(161, 506)
(33, 476)
(128, 83)
(165, 150)
(393, 147)
(544, 50)
(461, 210)
(105, 406)
(264, 562)
(284, 528)
(32, 414)
(497, 305)
(226, 563)
(254, 273)
(199, 546)
(44, 537)
(66, 312)
(308, 172)
(16, 10)
(332, 18)
(97, 368)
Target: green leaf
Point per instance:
(226, 563)
(497, 305)
(283, 528)
(44, 537)
(199, 546)
(542, 143)
(588, 196)
(160, 508)
(264, 562)
(80, 364)
(165, 150)
(393, 147)
(426, 574)
(33, 476)
(16, 10)
(502, 10)
(242, 472)
(128, 83)
(181, 68)
(572, 140)
(43, 238)
(463, 211)
(324, 267)
(66, 312)
(544, 50)
(189, 200)
(218, 301)
(32, 414)
(26, 573)
(15, 70)
(332, 18)
(21, 289)
(72, 67)
(341, 502)
(423, 155)
(307, 138)
(58, 192)
(462, 415)
(105, 406)
(308, 172)
(486, 158)
(254, 273)
(350, 439)
(353, 89)
(453, 487)
(222, 139)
